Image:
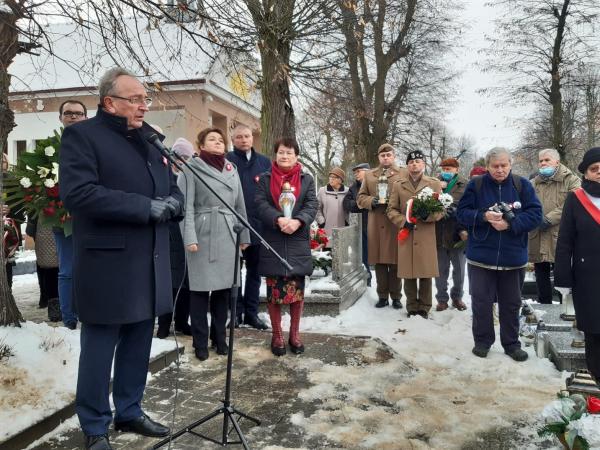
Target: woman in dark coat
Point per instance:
(578, 255)
(289, 237)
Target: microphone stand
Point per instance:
(226, 409)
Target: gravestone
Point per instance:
(347, 280)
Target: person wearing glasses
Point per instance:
(331, 213)
(122, 195)
(69, 112)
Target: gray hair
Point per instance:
(496, 152)
(552, 153)
(106, 84)
(239, 127)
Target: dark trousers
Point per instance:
(365, 254)
(592, 354)
(48, 280)
(388, 283)
(457, 258)
(487, 286)
(132, 354)
(542, 281)
(248, 302)
(182, 310)
(9, 274)
(418, 296)
(219, 303)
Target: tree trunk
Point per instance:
(9, 313)
(274, 23)
(558, 139)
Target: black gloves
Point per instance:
(422, 216)
(545, 225)
(375, 204)
(160, 211)
(174, 206)
(450, 212)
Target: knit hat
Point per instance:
(591, 156)
(417, 154)
(477, 170)
(450, 162)
(385, 148)
(338, 173)
(361, 166)
(183, 147)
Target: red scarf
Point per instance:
(278, 177)
(216, 161)
(588, 205)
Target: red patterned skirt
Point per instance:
(285, 290)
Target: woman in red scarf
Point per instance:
(289, 236)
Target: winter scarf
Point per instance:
(591, 187)
(216, 161)
(278, 177)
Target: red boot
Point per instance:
(277, 345)
(296, 345)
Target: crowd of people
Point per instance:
(143, 244)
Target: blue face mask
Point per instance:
(547, 171)
(447, 176)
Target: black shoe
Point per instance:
(201, 353)
(43, 304)
(296, 350)
(278, 351)
(162, 332)
(412, 313)
(71, 325)
(143, 425)
(184, 329)
(480, 351)
(396, 303)
(423, 314)
(97, 442)
(382, 303)
(222, 349)
(238, 321)
(518, 354)
(255, 322)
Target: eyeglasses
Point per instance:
(334, 177)
(135, 100)
(74, 113)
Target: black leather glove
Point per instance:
(159, 211)
(174, 206)
(450, 212)
(422, 216)
(545, 225)
(375, 204)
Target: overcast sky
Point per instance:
(488, 122)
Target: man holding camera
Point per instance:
(499, 209)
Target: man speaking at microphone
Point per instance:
(121, 194)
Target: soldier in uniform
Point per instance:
(383, 250)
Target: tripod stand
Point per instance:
(228, 411)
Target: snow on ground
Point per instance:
(449, 397)
(42, 375)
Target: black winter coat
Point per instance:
(349, 204)
(249, 172)
(178, 266)
(577, 261)
(295, 248)
(108, 174)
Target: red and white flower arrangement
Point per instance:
(425, 203)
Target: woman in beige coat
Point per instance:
(417, 255)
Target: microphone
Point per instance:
(154, 140)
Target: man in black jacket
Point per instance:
(250, 165)
(349, 204)
(121, 194)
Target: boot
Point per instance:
(277, 345)
(294, 341)
(54, 314)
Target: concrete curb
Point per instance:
(45, 426)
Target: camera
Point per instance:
(506, 210)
